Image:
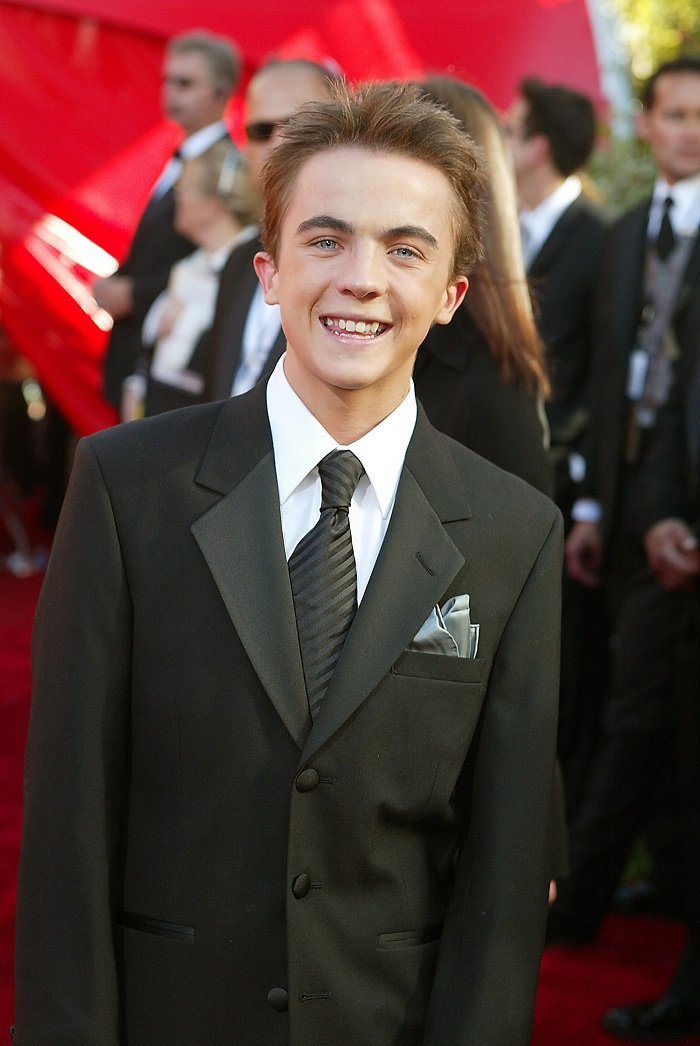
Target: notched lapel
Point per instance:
(241, 540)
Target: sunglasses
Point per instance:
(263, 131)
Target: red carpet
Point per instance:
(633, 959)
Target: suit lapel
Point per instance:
(416, 565)
(241, 540)
(546, 256)
(238, 285)
(630, 258)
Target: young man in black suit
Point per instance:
(200, 74)
(646, 326)
(289, 773)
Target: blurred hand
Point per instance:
(673, 554)
(583, 553)
(115, 295)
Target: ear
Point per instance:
(266, 271)
(454, 296)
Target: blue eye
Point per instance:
(405, 252)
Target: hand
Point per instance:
(552, 891)
(673, 554)
(584, 554)
(115, 295)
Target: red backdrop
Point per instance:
(82, 140)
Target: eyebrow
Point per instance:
(400, 232)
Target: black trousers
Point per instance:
(639, 725)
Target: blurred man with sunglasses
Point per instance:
(246, 339)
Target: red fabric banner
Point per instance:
(82, 139)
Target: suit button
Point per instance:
(307, 781)
(301, 885)
(278, 999)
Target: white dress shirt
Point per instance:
(685, 213)
(262, 326)
(300, 442)
(190, 148)
(193, 285)
(537, 224)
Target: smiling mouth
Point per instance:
(361, 328)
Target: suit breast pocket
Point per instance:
(440, 667)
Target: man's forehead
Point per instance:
(362, 188)
(275, 94)
(193, 61)
(681, 87)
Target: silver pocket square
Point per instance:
(448, 630)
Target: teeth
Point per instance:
(354, 326)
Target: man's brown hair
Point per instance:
(380, 117)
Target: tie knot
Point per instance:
(340, 473)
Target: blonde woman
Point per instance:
(216, 208)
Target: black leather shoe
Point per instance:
(666, 1018)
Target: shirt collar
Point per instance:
(300, 441)
(547, 213)
(201, 140)
(685, 215)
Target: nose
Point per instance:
(362, 274)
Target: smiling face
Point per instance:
(672, 125)
(362, 272)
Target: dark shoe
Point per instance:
(667, 1018)
(567, 933)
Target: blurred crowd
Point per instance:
(573, 363)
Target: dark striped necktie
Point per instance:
(323, 576)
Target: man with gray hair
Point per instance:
(200, 74)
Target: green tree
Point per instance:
(656, 31)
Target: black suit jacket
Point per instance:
(197, 855)
(222, 347)
(563, 278)
(155, 248)
(617, 313)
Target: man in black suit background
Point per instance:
(246, 338)
(671, 509)
(646, 325)
(200, 73)
(296, 663)
(552, 130)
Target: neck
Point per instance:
(535, 186)
(346, 414)
(212, 239)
